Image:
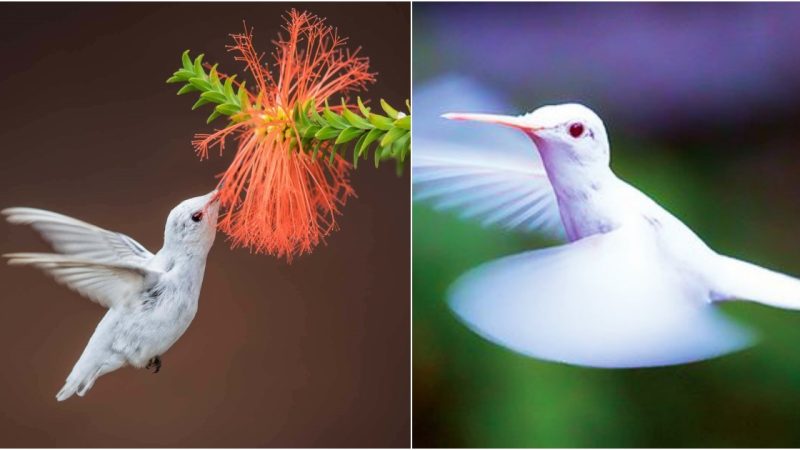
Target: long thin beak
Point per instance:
(511, 121)
(213, 196)
(215, 193)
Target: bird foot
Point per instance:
(154, 362)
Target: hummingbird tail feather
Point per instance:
(738, 279)
(78, 382)
(89, 367)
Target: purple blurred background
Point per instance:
(657, 66)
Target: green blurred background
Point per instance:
(733, 177)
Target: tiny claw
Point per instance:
(154, 362)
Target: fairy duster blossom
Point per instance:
(280, 198)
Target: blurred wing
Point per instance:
(79, 239)
(489, 173)
(513, 197)
(106, 284)
(603, 301)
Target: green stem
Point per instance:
(387, 135)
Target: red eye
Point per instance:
(198, 216)
(576, 129)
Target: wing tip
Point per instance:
(21, 214)
(22, 259)
(10, 213)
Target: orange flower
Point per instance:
(278, 199)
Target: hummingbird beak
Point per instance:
(213, 197)
(520, 123)
(216, 192)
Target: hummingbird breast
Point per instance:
(588, 210)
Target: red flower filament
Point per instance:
(277, 198)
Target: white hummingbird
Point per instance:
(634, 287)
(151, 299)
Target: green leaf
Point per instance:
(373, 135)
(229, 87)
(348, 135)
(300, 118)
(211, 89)
(314, 114)
(198, 64)
(364, 110)
(382, 122)
(326, 133)
(304, 110)
(315, 150)
(310, 131)
(334, 150)
(200, 102)
(200, 84)
(391, 112)
(393, 134)
(213, 78)
(213, 116)
(399, 146)
(212, 96)
(244, 99)
(385, 152)
(186, 89)
(354, 120)
(183, 73)
(357, 149)
(403, 122)
(228, 109)
(187, 62)
(333, 119)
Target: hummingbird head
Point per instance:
(567, 134)
(192, 225)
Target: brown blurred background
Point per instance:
(315, 353)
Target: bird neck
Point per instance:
(170, 259)
(185, 251)
(586, 197)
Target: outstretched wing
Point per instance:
(78, 239)
(487, 173)
(494, 192)
(603, 301)
(110, 285)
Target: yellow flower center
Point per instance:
(274, 120)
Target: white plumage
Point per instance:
(633, 286)
(151, 299)
(493, 191)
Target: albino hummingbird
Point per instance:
(633, 287)
(151, 299)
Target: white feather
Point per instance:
(110, 285)
(80, 239)
(602, 301)
(512, 196)
(740, 280)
